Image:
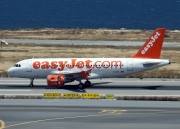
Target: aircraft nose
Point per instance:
(10, 71)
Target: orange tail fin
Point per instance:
(152, 47)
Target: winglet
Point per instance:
(152, 47)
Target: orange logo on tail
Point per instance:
(150, 44)
(152, 47)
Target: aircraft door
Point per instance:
(29, 66)
(130, 65)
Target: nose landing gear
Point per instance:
(31, 82)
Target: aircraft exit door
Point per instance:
(29, 66)
(130, 65)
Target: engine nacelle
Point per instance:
(56, 80)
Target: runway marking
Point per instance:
(137, 81)
(152, 111)
(2, 124)
(18, 83)
(113, 111)
(13, 90)
(63, 118)
(76, 109)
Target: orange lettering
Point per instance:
(96, 64)
(116, 64)
(88, 64)
(62, 65)
(36, 65)
(53, 65)
(106, 64)
(45, 65)
(73, 62)
(80, 64)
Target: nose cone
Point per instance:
(10, 71)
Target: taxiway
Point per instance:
(80, 42)
(116, 86)
(80, 114)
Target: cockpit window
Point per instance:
(17, 65)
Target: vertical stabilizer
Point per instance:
(152, 47)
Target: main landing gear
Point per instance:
(86, 84)
(31, 82)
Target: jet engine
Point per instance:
(56, 80)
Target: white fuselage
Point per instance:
(100, 67)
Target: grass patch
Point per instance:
(85, 34)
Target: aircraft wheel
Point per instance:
(81, 86)
(87, 83)
(31, 85)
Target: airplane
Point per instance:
(59, 71)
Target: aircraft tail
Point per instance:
(152, 47)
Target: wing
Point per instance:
(78, 73)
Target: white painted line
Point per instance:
(19, 83)
(13, 90)
(23, 94)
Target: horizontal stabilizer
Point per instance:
(149, 64)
